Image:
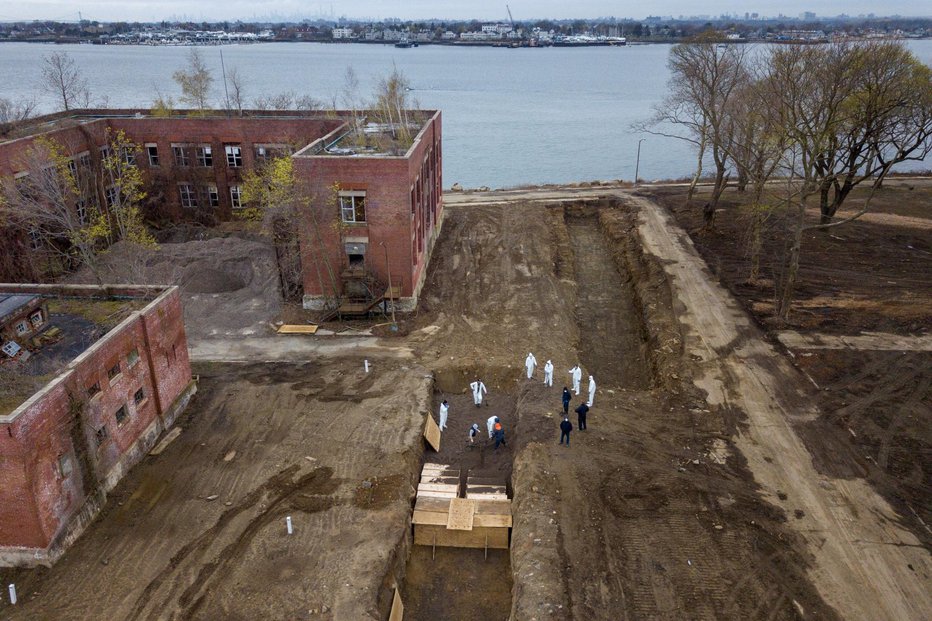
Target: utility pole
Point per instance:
(391, 291)
(637, 165)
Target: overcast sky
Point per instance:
(154, 10)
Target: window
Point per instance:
(114, 372)
(152, 150)
(265, 152)
(81, 208)
(93, 389)
(234, 155)
(36, 319)
(213, 196)
(236, 197)
(180, 155)
(73, 169)
(132, 358)
(11, 348)
(186, 191)
(139, 396)
(102, 435)
(205, 156)
(105, 153)
(22, 328)
(129, 156)
(120, 415)
(353, 206)
(112, 195)
(35, 239)
(84, 160)
(64, 465)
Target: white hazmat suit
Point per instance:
(444, 412)
(576, 372)
(490, 424)
(591, 391)
(548, 374)
(529, 363)
(478, 389)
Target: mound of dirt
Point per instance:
(229, 285)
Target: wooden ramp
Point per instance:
(297, 329)
(481, 520)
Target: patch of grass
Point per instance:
(105, 313)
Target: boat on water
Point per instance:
(405, 43)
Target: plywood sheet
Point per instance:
(461, 514)
(398, 608)
(429, 517)
(486, 496)
(496, 538)
(438, 487)
(483, 506)
(432, 433)
(491, 521)
(426, 494)
(297, 329)
(168, 439)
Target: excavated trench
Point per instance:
(616, 292)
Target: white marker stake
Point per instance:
(287, 524)
(13, 594)
(366, 362)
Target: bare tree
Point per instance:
(393, 108)
(195, 81)
(704, 78)
(14, 112)
(287, 100)
(237, 90)
(62, 78)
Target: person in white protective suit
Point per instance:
(444, 412)
(478, 390)
(576, 372)
(490, 424)
(591, 391)
(548, 374)
(529, 363)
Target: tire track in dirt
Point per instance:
(282, 488)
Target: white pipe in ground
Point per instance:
(12, 593)
(288, 525)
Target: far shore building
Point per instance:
(105, 394)
(375, 203)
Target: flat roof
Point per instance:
(12, 302)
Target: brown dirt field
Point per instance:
(864, 275)
(162, 549)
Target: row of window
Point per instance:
(132, 358)
(204, 155)
(36, 319)
(188, 194)
(120, 416)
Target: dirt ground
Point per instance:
(198, 532)
(715, 480)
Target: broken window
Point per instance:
(186, 192)
(353, 206)
(113, 372)
(102, 435)
(180, 155)
(105, 153)
(213, 196)
(205, 155)
(132, 358)
(128, 155)
(120, 415)
(234, 155)
(84, 161)
(236, 199)
(73, 169)
(93, 389)
(35, 239)
(112, 195)
(81, 208)
(152, 150)
(139, 396)
(22, 328)
(36, 319)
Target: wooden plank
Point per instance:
(491, 521)
(484, 506)
(439, 468)
(485, 489)
(484, 481)
(168, 439)
(426, 535)
(297, 329)
(461, 514)
(438, 479)
(475, 496)
(433, 505)
(427, 494)
(398, 608)
(438, 487)
(430, 517)
(432, 433)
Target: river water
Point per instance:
(510, 116)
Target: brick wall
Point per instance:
(52, 461)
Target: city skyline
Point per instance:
(484, 10)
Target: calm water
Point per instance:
(510, 117)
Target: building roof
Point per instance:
(12, 302)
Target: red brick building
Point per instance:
(363, 203)
(69, 444)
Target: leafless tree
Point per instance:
(393, 107)
(287, 100)
(62, 78)
(237, 90)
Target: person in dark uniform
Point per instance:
(566, 400)
(581, 411)
(565, 428)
